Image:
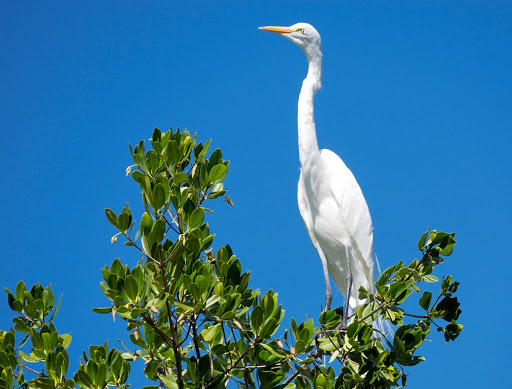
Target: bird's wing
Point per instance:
(353, 210)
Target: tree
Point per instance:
(193, 317)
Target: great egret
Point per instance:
(331, 202)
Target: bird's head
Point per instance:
(302, 34)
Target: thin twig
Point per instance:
(173, 252)
(186, 335)
(291, 378)
(238, 350)
(30, 319)
(32, 370)
(138, 248)
(174, 331)
(167, 167)
(371, 313)
(152, 324)
(416, 316)
(210, 384)
(417, 266)
(194, 335)
(169, 223)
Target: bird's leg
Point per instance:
(328, 292)
(343, 325)
(349, 289)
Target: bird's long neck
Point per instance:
(308, 145)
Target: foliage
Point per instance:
(192, 316)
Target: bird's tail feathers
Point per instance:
(385, 326)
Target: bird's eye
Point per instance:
(300, 30)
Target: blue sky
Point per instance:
(416, 100)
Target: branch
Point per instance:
(174, 252)
(32, 370)
(225, 340)
(138, 248)
(417, 266)
(164, 336)
(194, 334)
(186, 336)
(171, 223)
(416, 316)
(291, 378)
(174, 331)
(379, 307)
(210, 384)
(167, 167)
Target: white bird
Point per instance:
(331, 202)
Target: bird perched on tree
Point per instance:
(331, 202)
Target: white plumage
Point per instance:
(331, 202)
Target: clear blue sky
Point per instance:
(416, 101)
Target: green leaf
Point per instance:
(158, 230)
(20, 292)
(130, 285)
(430, 278)
(217, 173)
(66, 340)
(215, 158)
(448, 244)
(204, 151)
(423, 240)
(396, 289)
(425, 300)
(125, 218)
(172, 152)
(270, 326)
(406, 359)
(158, 197)
(329, 343)
(275, 352)
(209, 333)
(84, 378)
(196, 218)
(44, 383)
(102, 310)
(448, 309)
(112, 218)
(157, 135)
(431, 237)
(202, 283)
(138, 176)
(257, 319)
(180, 178)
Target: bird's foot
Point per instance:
(344, 321)
(318, 353)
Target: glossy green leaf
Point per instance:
(218, 172)
(430, 278)
(196, 218)
(65, 340)
(44, 383)
(131, 287)
(257, 319)
(172, 152)
(20, 291)
(112, 218)
(158, 197)
(423, 240)
(425, 300)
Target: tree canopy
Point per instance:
(195, 319)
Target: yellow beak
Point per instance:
(277, 30)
